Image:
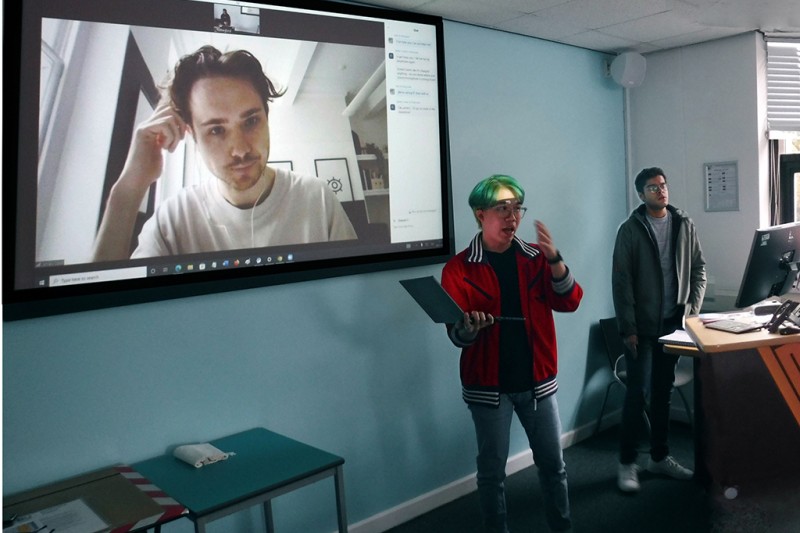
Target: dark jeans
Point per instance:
(651, 374)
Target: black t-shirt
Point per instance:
(516, 363)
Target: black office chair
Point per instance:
(615, 352)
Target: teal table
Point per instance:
(266, 465)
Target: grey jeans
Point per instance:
(543, 427)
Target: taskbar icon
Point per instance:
(218, 264)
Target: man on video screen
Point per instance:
(222, 101)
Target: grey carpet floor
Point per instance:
(663, 505)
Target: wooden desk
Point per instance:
(716, 341)
(780, 353)
(748, 417)
(265, 465)
(120, 496)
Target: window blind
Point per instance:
(783, 86)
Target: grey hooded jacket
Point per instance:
(636, 279)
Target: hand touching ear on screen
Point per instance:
(164, 130)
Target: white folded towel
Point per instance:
(198, 455)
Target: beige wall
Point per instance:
(704, 104)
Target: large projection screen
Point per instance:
(118, 191)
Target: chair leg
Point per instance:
(603, 408)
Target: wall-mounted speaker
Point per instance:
(628, 69)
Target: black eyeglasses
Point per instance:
(655, 188)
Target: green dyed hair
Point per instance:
(484, 194)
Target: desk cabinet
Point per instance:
(750, 433)
(749, 420)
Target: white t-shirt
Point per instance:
(298, 210)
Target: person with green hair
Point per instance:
(508, 289)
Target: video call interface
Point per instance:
(359, 111)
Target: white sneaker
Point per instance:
(669, 467)
(628, 477)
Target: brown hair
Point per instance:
(208, 62)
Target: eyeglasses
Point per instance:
(655, 188)
(506, 209)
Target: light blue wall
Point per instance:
(351, 364)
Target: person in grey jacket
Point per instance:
(658, 277)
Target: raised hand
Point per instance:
(164, 130)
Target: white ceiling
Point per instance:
(616, 26)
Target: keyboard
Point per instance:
(733, 326)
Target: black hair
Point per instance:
(645, 175)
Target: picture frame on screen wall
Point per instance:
(336, 174)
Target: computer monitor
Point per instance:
(772, 265)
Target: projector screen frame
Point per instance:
(30, 302)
